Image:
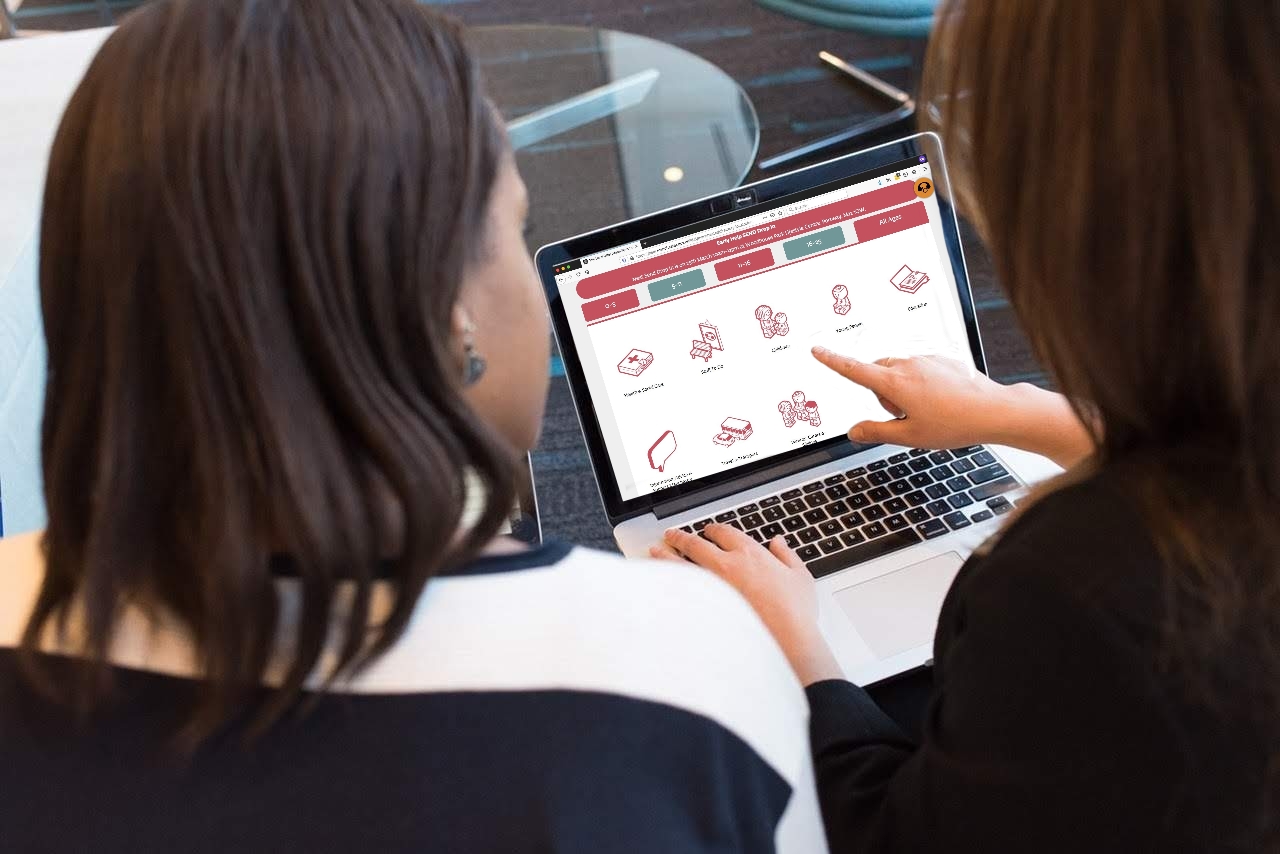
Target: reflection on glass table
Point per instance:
(610, 126)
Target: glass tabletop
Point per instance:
(609, 126)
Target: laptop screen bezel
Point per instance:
(709, 212)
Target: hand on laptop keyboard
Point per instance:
(773, 579)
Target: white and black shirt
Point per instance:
(558, 700)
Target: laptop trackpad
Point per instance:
(898, 611)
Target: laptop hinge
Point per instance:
(741, 484)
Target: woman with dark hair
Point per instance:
(296, 349)
(1107, 673)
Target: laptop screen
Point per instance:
(696, 344)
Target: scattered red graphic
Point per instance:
(733, 430)
(799, 409)
(841, 295)
(710, 341)
(635, 362)
(907, 280)
(662, 450)
(772, 324)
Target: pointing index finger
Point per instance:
(873, 377)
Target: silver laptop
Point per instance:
(686, 337)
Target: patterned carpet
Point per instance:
(774, 59)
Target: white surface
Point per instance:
(39, 76)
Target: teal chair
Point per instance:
(888, 18)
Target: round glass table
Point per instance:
(608, 126)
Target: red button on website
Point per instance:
(599, 308)
(890, 222)
(744, 264)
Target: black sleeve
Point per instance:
(1045, 731)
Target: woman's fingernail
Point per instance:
(819, 350)
(857, 434)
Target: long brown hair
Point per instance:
(1121, 161)
(255, 227)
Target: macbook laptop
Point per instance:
(686, 337)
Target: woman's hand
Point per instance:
(942, 403)
(776, 584)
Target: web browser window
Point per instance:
(696, 347)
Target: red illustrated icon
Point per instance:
(841, 295)
(635, 362)
(710, 340)
(772, 324)
(733, 430)
(907, 280)
(662, 450)
(799, 409)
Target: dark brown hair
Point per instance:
(256, 222)
(1121, 161)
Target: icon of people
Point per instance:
(841, 295)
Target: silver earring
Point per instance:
(475, 362)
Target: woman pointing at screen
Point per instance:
(1107, 671)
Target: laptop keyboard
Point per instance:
(845, 519)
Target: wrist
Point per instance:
(1042, 422)
(812, 659)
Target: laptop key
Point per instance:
(853, 520)
(895, 505)
(688, 529)
(809, 535)
(814, 516)
(698, 526)
(808, 552)
(795, 506)
(877, 465)
(938, 508)
(747, 508)
(957, 520)
(791, 541)
(941, 457)
(815, 499)
(994, 487)
(917, 514)
(875, 529)
(773, 514)
(836, 508)
(773, 530)
(752, 520)
(917, 452)
(920, 480)
(837, 491)
(880, 493)
(932, 528)
(959, 500)
(858, 484)
(899, 458)
(962, 466)
(858, 472)
(896, 522)
(852, 538)
(915, 499)
(966, 451)
(983, 458)
(829, 545)
(833, 479)
(771, 501)
(958, 484)
(862, 552)
(899, 487)
(983, 475)
(878, 477)
(811, 487)
(1001, 509)
(793, 523)
(736, 523)
(982, 516)
(831, 527)
(859, 500)
(937, 491)
(726, 516)
(790, 494)
(919, 464)
(756, 535)
(941, 473)
(875, 511)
